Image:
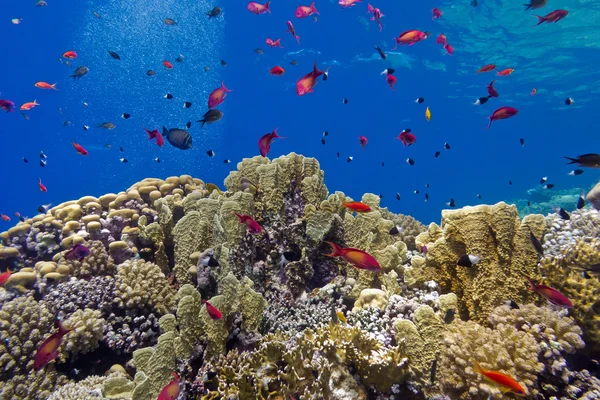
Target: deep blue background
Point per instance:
(559, 59)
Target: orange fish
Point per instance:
(505, 382)
(356, 206)
(5, 217)
(29, 105)
(80, 149)
(171, 389)
(487, 68)
(70, 55)
(505, 72)
(41, 185)
(4, 277)
(307, 83)
(356, 257)
(277, 70)
(217, 96)
(48, 350)
(44, 85)
(410, 37)
(534, 91)
(167, 64)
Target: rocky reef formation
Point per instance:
(295, 323)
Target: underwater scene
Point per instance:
(289, 200)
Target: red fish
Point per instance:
(292, 30)
(265, 141)
(487, 68)
(363, 141)
(358, 258)
(70, 55)
(407, 138)
(356, 206)
(5, 217)
(167, 64)
(251, 225)
(391, 80)
(436, 13)
(505, 72)
(534, 91)
(217, 96)
(277, 70)
(410, 37)
(308, 82)
(258, 8)
(7, 105)
(441, 39)
(502, 113)
(554, 16)
(4, 277)
(306, 11)
(276, 43)
(171, 390)
(213, 312)
(552, 295)
(160, 140)
(491, 90)
(449, 48)
(348, 3)
(48, 350)
(505, 382)
(41, 186)
(377, 14)
(80, 149)
(17, 214)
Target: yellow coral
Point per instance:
(86, 332)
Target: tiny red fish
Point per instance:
(391, 80)
(5, 217)
(171, 390)
(48, 350)
(292, 31)
(552, 295)
(356, 206)
(79, 149)
(407, 138)
(217, 96)
(251, 225)
(70, 55)
(308, 82)
(4, 277)
(449, 48)
(167, 64)
(554, 16)
(265, 141)
(491, 90)
(487, 68)
(377, 14)
(41, 186)
(7, 105)
(213, 312)
(257, 8)
(534, 91)
(410, 37)
(363, 141)
(160, 140)
(276, 43)
(505, 72)
(441, 39)
(502, 113)
(360, 259)
(436, 13)
(306, 11)
(17, 214)
(505, 382)
(277, 70)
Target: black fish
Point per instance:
(562, 213)
(481, 100)
(397, 196)
(292, 255)
(468, 260)
(437, 154)
(157, 160)
(510, 182)
(325, 75)
(446, 146)
(215, 12)
(187, 104)
(569, 101)
(426, 197)
(350, 158)
(80, 72)
(528, 203)
(178, 138)
(427, 185)
(589, 160)
(121, 149)
(210, 117)
(522, 141)
(168, 96)
(24, 160)
(479, 196)
(42, 155)
(125, 116)
(208, 261)
(345, 101)
(419, 100)
(396, 230)
(380, 196)
(383, 163)
(322, 141)
(451, 203)
(576, 172)
(114, 55)
(224, 63)
(512, 304)
(123, 160)
(338, 155)
(581, 201)
(325, 133)
(449, 317)
(226, 161)
(188, 124)
(260, 52)
(407, 130)
(381, 53)
(474, 3)
(294, 62)
(42, 163)
(150, 72)
(179, 58)
(544, 179)
(548, 186)
(433, 370)
(410, 161)
(535, 4)
(210, 153)
(416, 191)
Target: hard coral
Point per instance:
(77, 294)
(87, 326)
(97, 263)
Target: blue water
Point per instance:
(560, 60)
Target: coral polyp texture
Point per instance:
(163, 278)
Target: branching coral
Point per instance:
(86, 332)
(97, 263)
(77, 294)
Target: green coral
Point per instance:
(190, 235)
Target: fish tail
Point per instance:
(313, 8)
(62, 330)
(540, 20)
(224, 88)
(572, 160)
(239, 216)
(477, 368)
(396, 46)
(531, 284)
(267, 7)
(54, 87)
(335, 250)
(297, 38)
(527, 6)
(490, 124)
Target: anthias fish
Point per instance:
(213, 312)
(505, 382)
(265, 141)
(171, 390)
(48, 350)
(356, 206)
(552, 17)
(251, 225)
(306, 11)
(410, 37)
(360, 259)
(218, 95)
(257, 8)
(552, 295)
(502, 113)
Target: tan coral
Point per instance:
(371, 298)
(86, 333)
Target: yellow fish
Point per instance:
(211, 186)
(341, 316)
(428, 114)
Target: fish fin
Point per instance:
(531, 283)
(477, 368)
(313, 8)
(540, 20)
(335, 250)
(572, 160)
(267, 7)
(165, 131)
(527, 6)
(61, 328)
(490, 124)
(224, 88)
